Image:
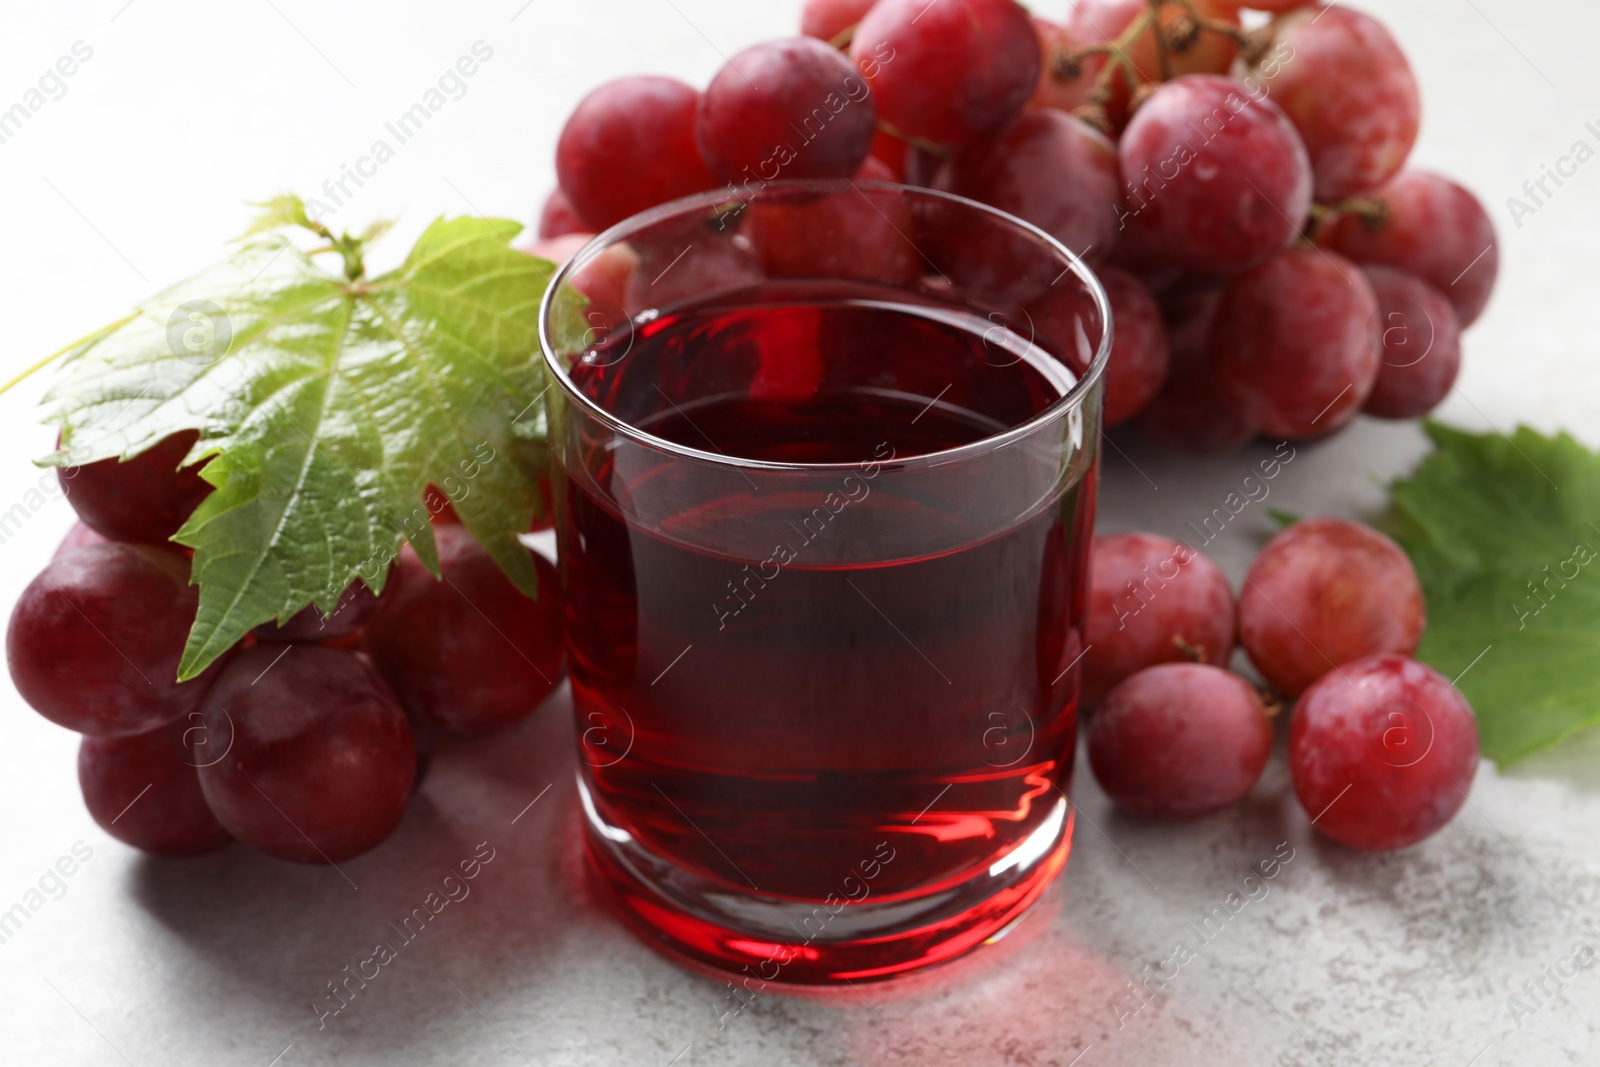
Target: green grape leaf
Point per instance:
(325, 407)
(1505, 535)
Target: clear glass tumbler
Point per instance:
(825, 458)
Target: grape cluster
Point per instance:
(308, 740)
(1273, 267)
(1382, 748)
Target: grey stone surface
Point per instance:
(135, 176)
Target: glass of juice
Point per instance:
(824, 468)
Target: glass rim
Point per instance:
(1069, 401)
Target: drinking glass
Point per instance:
(824, 465)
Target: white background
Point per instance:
(136, 177)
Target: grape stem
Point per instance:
(1067, 64)
(86, 339)
(1242, 37)
(1271, 702)
(912, 139)
(1160, 39)
(348, 247)
(1371, 210)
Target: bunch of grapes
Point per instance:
(1382, 749)
(1272, 266)
(308, 740)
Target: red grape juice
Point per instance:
(844, 693)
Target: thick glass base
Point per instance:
(764, 940)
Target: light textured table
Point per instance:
(134, 177)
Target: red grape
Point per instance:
(143, 790)
(1048, 168)
(827, 19)
(469, 653)
(1382, 753)
(1134, 256)
(145, 498)
(859, 233)
(951, 71)
(1296, 343)
(1151, 600)
(920, 166)
(629, 146)
(1064, 94)
(1216, 181)
(1179, 740)
(1433, 228)
(1323, 593)
(1101, 21)
(794, 108)
(1190, 414)
(891, 152)
(353, 608)
(1349, 91)
(320, 758)
(77, 537)
(1421, 346)
(558, 218)
(691, 266)
(1139, 350)
(95, 639)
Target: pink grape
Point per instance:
(1216, 181)
(144, 791)
(1179, 741)
(1421, 346)
(1151, 600)
(1382, 753)
(630, 146)
(1296, 343)
(1048, 168)
(827, 19)
(603, 279)
(468, 653)
(1432, 228)
(793, 108)
(558, 217)
(145, 498)
(1323, 593)
(1190, 414)
(1350, 92)
(320, 759)
(947, 72)
(95, 639)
